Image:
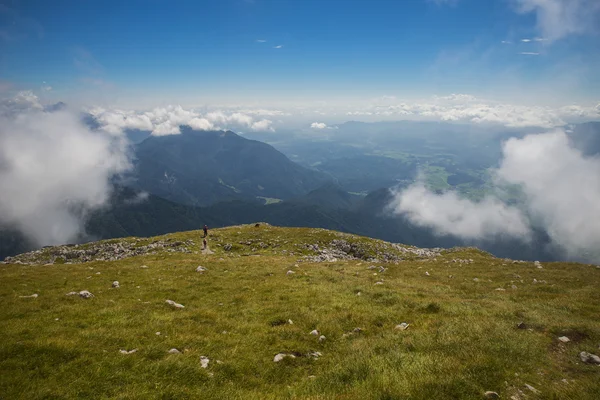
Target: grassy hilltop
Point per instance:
(476, 323)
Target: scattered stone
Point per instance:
(144, 267)
(172, 303)
(357, 330)
(84, 294)
(116, 285)
(281, 356)
(227, 247)
(290, 272)
(175, 351)
(157, 333)
(290, 322)
(379, 283)
(201, 269)
(322, 338)
(204, 361)
(358, 293)
(475, 279)
(402, 327)
(31, 296)
(312, 377)
(315, 355)
(522, 325)
(513, 287)
(427, 273)
(531, 388)
(491, 395)
(314, 332)
(127, 352)
(537, 264)
(589, 358)
(564, 339)
(500, 289)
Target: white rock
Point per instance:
(72, 294)
(84, 294)
(379, 283)
(427, 273)
(491, 395)
(144, 266)
(176, 305)
(500, 289)
(531, 388)
(157, 333)
(564, 339)
(201, 269)
(589, 358)
(314, 332)
(315, 354)
(31, 296)
(322, 338)
(127, 352)
(513, 286)
(358, 293)
(290, 272)
(174, 351)
(290, 322)
(475, 279)
(116, 285)
(98, 273)
(281, 356)
(204, 361)
(402, 327)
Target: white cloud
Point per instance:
(262, 125)
(167, 120)
(448, 214)
(318, 125)
(525, 40)
(53, 169)
(278, 47)
(466, 108)
(529, 53)
(557, 19)
(261, 40)
(506, 42)
(562, 188)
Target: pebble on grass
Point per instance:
(173, 304)
(204, 361)
(281, 356)
(402, 327)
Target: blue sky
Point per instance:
(268, 51)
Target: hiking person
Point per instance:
(205, 230)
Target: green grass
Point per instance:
(269, 200)
(462, 338)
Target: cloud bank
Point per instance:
(53, 170)
(561, 186)
(167, 120)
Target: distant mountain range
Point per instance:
(205, 167)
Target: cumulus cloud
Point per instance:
(470, 109)
(167, 120)
(557, 19)
(53, 169)
(561, 186)
(318, 125)
(278, 46)
(448, 214)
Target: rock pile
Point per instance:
(110, 250)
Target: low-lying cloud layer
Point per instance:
(561, 186)
(53, 169)
(167, 120)
(469, 109)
